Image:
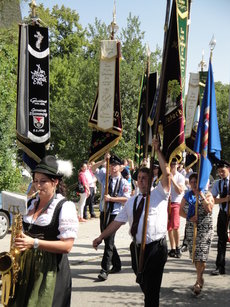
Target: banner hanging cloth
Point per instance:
(195, 92)
(172, 82)
(207, 142)
(191, 103)
(105, 118)
(149, 83)
(32, 120)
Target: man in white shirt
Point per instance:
(117, 195)
(156, 247)
(221, 194)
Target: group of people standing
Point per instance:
(175, 195)
(51, 224)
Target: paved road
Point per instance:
(121, 289)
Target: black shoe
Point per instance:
(172, 253)
(85, 217)
(114, 270)
(103, 275)
(93, 215)
(217, 272)
(184, 248)
(178, 253)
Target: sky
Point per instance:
(208, 18)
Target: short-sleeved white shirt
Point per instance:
(180, 180)
(68, 221)
(157, 217)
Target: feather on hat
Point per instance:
(49, 165)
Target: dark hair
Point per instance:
(193, 175)
(61, 186)
(145, 170)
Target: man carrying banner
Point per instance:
(118, 193)
(221, 188)
(156, 247)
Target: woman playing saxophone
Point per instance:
(49, 230)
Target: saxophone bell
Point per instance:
(6, 262)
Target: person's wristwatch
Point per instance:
(36, 243)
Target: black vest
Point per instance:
(48, 232)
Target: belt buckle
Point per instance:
(161, 241)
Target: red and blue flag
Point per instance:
(207, 142)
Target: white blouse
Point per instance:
(68, 221)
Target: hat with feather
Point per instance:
(51, 166)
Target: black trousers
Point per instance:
(155, 257)
(110, 255)
(222, 239)
(90, 203)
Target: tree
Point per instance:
(222, 98)
(10, 13)
(10, 174)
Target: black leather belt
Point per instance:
(160, 241)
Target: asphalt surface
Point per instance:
(121, 289)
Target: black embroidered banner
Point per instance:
(149, 82)
(32, 124)
(172, 82)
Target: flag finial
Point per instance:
(148, 51)
(212, 45)
(202, 63)
(33, 6)
(113, 27)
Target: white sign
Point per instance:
(107, 84)
(191, 103)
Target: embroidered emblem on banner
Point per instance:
(39, 76)
(39, 40)
(39, 102)
(38, 121)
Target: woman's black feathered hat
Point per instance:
(49, 165)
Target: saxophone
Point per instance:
(9, 262)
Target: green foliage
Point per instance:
(9, 173)
(173, 89)
(222, 98)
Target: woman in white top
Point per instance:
(50, 228)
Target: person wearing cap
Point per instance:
(118, 193)
(221, 194)
(177, 193)
(156, 252)
(49, 229)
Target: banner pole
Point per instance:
(106, 189)
(155, 133)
